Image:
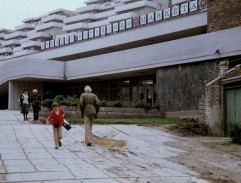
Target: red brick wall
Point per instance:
(223, 14)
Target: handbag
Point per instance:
(67, 125)
(39, 107)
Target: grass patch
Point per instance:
(149, 121)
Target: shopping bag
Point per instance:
(67, 125)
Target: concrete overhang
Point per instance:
(31, 68)
(181, 51)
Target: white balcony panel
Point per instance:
(39, 35)
(10, 42)
(79, 18)
(88, 8)
(53, 18)
(122, 16)
(98, 24)
(19, 48)
(49, 26)
(1, 35)
(76, 26)
(5, 50)
(92, 1)
(23, 52)
(15, 35)
(24, 26)
(23, 40)
(31, 32)
(104, 14)
(31, 44)
(136, 5)
(128, 1)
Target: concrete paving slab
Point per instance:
(27, 154)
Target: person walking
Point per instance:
(24, 103)
(36, 102)
(57, 117)
(89, 104)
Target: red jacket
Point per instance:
(56, 118)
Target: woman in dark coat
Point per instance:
(25, 101)
(36, 101)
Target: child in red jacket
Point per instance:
(57, 117)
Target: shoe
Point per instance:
(56, 148)
(60, 144)
(89, 144)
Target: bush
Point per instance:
(235, 133)
(143, 105)
(47, 103)
(70, 101)
(59, 98)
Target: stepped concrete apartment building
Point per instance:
(164, 52)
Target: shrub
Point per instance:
(59, 98)
(235, 133)
(103, 103)
(143, 105)
(70, 101)
(47, 103)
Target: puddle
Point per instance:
(109, 143)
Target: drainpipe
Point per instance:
(65, 77)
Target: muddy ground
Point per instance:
(215, 158)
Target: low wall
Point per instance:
(73, 112)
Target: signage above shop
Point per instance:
(122, 25)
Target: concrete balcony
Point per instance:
(2, 36)
(23, 40)
(53, 18)
(31, 44)
(74, 27)
(136, 5)
(122, 16)
(129, 1)
(88, 16)
(98, 24)
(11, 42)
(79, 18)
(15, 35)
(19, 48)
(39, 35)
(49, 25)
(24, 26)
(88, 8)
(6, 50)
(92, 2)
(23, 52)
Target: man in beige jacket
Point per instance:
(89, 104)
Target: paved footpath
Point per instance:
(27, 154)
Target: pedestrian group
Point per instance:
(89, 104)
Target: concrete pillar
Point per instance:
(223, 67)
(16, 88)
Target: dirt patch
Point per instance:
(215, 158)
(109, 143)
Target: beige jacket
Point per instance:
(89, 104)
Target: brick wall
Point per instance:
(223, 14)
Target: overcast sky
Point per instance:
(12, 12)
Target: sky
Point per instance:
(12, 12)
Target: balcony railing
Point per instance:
(6, 50)
(24, 26)
(88, 8)
(23, 52)
(136, 5)
(39, 35)
(31, 44)
(122, 16)
(49, 25)
(15, 35)
(53, 18)
(76, 26)
(11, 42)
